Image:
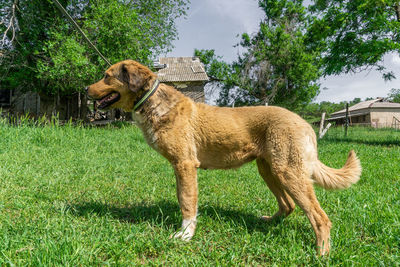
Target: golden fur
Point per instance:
(195, 135)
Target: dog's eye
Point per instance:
(106, 76)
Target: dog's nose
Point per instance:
(86, 89)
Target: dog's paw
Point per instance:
(184, 235)
(267, 218)
(187, 231)
(277, 216)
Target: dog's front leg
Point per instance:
(186, 186)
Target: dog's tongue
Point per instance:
(108, 98)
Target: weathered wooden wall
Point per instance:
(194, 90)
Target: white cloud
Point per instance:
(215, 25)
(396, 60)
(370, 83)
(346, 87)
(245, 14)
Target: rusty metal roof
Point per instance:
(180, 69)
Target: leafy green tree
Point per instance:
(394, 95)
(278, 66)
(30, 21)
(216, 68)
(296, 45)
(355, 34)
(48, 56)
(66, 62)
(223, 77)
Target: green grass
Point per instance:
(100, 196)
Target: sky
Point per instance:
(218, 24)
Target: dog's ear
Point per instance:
(131, 75)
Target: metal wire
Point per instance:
(61, 8)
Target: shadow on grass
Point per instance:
(168, 213)
(134, 213)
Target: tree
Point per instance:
(216, 68)
(278, 66)
(48, 56)
(394, 95)
(222, 76)
(296, 45)
(42, 52)
(29, 21)
(355, 34)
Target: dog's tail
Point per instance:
(330, 178)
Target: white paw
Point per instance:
(187, 231)
(184, 235)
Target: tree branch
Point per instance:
(11, 24)
(397, 9)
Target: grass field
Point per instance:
(73, 196)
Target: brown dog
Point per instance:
(195, 135)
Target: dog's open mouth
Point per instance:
(108, 100)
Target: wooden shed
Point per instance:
(377, 113)
(187, 74)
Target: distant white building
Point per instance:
(376, 113)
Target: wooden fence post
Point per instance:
(325, 130)
(321, 125)
(347, 120)
(322, 130)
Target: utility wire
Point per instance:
(61, 8)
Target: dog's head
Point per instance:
(122, 85)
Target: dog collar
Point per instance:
(146, 96)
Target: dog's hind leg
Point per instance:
(301, 189)
(285, 202)
(186, 185)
